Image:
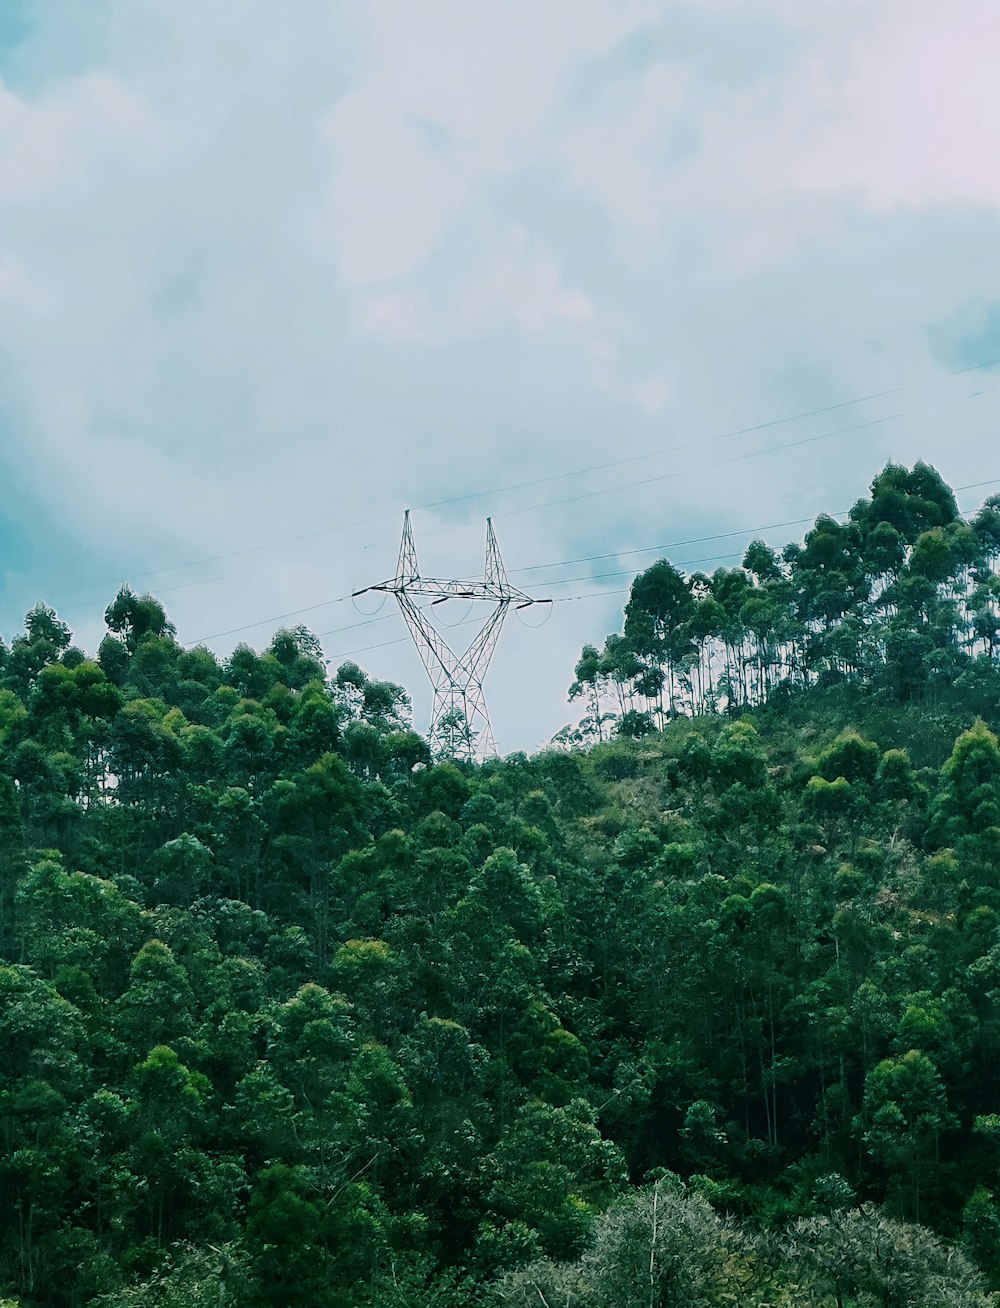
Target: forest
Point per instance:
(697, 1006)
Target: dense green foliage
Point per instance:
(903, 598)
(293, 1014)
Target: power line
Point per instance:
(165, 590)
(562, 476)
(594, 557)
(249, 549)
(711, 440)
(624, 590)
(630, 572)
(671, 545)
(723, 535)
(293, 613)
(565, 599)
(350, 626)
(368, 622)
(752, 454)
(649, 549)
(278, 617)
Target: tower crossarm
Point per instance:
(442, 589)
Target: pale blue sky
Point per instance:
(267, 270)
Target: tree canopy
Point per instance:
(697, 1006)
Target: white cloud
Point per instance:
(522, 283)
(651, 395)
(910, 113)
(396, 317)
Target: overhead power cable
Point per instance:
(575, 472)
(691, 444)
(751, 454)
(624, 590)
(722, 535)
(671, 545)
(278, 617)
(618, 590)
(536, 567)
(587, 558)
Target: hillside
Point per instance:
(295, 1014)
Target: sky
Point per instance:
(270, 274)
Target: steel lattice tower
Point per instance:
(459, 720)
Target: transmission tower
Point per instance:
(460, 723)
